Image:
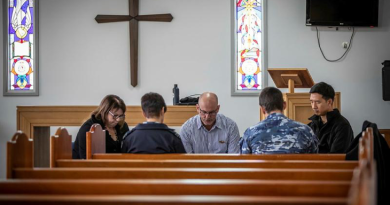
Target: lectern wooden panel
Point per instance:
(298, 106)
(300, 77)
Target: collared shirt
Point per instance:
(223, 137)
(278, 134)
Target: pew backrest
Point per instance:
(127, 156)
(96, 139)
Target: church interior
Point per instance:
(81, 61)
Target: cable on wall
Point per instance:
(345, 53)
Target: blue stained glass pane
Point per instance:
(20, 35)
(249, 44)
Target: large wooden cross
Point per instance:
(133, 19)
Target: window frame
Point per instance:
(6, 90)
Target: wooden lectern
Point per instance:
(298, 105)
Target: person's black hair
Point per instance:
(271, 99)
(324, 89)
(152, 103)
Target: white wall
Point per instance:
(82, 61)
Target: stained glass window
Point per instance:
(249, 47)
(21, 71)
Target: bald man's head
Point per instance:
(208, 108)
(208, 97)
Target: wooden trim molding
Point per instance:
(29, 117)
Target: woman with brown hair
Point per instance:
(111, 116)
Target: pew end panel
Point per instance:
(96, 140)
(363, 189)
(60, 146)
(19, 153)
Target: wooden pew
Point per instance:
(167, 200)
(181, 161)
(213, 183)
(60, 146)
(363, 188)
(227, 187)
(222, 156)
(364, 182)
(186, 187)
(21, 146)
(62, 138)
(287, 164)
(182, 173)
(96, 150)
(61, 157)
(22, 171)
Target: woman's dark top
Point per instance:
(79, 148)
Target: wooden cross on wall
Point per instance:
(133, 19)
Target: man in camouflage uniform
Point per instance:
(277, 134)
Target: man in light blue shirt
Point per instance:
(277, 134)
(210, 132)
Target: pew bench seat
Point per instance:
(290, 164)
(229, 187)
(183, 173)
(168, 200)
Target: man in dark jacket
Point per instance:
(152, 136)
(332, 129)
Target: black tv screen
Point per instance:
(342, 13)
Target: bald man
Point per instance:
(210, 132)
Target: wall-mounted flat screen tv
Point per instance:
(336, 13)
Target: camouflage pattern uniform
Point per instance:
(278, 134)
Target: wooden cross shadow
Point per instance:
(133, 19)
